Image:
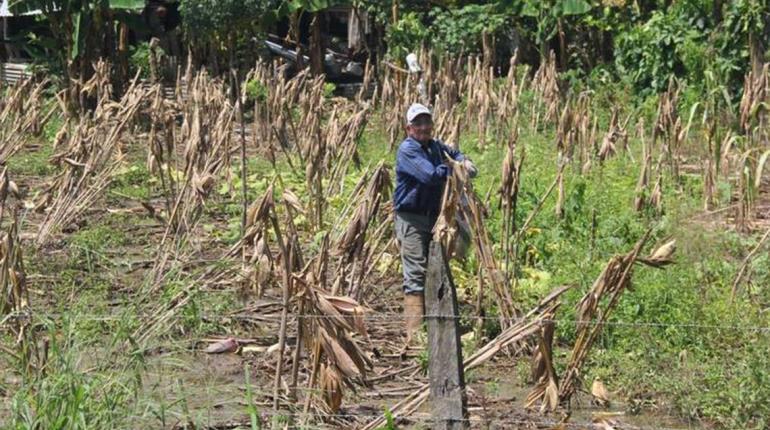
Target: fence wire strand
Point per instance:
(395, 317)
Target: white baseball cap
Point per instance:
(415, 110)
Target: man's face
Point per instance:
(421, 128)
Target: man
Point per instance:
(421, 173)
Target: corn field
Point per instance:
(206, 231)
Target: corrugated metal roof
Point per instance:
(10, 73)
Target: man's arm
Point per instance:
(456, 155)
(414, 164)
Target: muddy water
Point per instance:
(209, 390)
(513, 396)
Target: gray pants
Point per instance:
(414, 233)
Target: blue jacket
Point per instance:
(420, 176)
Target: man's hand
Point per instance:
(443, 170)
(466, 163)
(471, 168)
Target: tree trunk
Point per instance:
(213, 57)
(295, 26)
(316, 45)
(756, 53)
(562, 46)
(394, 11)
(607, 49)
(716, 12)
(7, 46)
(123, 55)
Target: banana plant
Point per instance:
(70, 21)
(549, 16)
(80, 33)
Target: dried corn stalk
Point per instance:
(353, 246)
(529, 325)
(754, 124)
(7, 188)
(15, 312)
(260, 217)
(327, 327)
(616, 134)
(753, 108)
(641, 192)
(592, 314)
(88, 159)
(546, 390)
(479, 94)
(460, 204)
(162, 160)
(710, 168)
(546, 85)
(669, 126)
(509, 195)
(23, 113)
(205, 142)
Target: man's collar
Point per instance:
(428, 143)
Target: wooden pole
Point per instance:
(445, 366)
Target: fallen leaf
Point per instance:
(551, 400)
(253, 349)
(665, 251)
(273, 348)
(226, 345)
(600, 393)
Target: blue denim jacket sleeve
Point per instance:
(421, 174)
(412, 161)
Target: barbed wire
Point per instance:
(396, 316)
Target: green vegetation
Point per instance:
(641, 44)
(687, 342)
(256, 91)
(675, 330)
(139, 60)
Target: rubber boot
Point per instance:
(414, 305)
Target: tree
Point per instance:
(216, 27)
(82, 30)
(294, 9)
(549, 17)
(754, 19)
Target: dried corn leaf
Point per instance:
(551, 397)
(662, 256)
(331, 387)
(600, 394)
(339, 356)
(292, 200)
(328, 310)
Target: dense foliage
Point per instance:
(679, 344)
(205, 17)
(641, 44)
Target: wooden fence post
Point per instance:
(445, 367)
